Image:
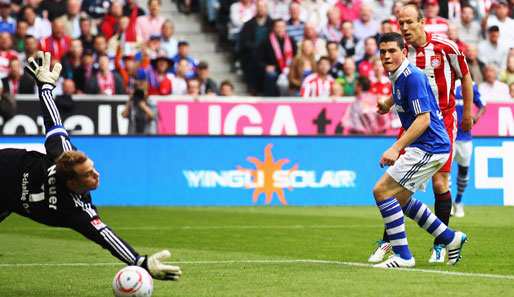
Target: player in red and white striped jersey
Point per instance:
(318, 84)
(443, 63)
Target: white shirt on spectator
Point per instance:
(487, 52)
(41, 28)
(279, 9)
(470, 34)
(499, 91)
(314, 86)
(178, 85)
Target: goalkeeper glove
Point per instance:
(39, 69)
(157, 269)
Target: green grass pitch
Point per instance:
(258, 251)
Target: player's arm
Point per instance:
(467, 96)
(57, 140)
(417, 128)
(478, 103)
(384, 105)
(87, 223)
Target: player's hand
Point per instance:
(161, 271)
(39, 69)
(382, 108)
(466, 124)
(389, 157)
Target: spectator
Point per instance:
(294, 25)
(476, 67)
(493, 89)
(146, 25)
(379, 9)
(193, 88)
(178, 80)
(365, 26)
(128, 70)
(58, 44)
(154, 47)
(38, 27)
(303, 64)
(183, 53)
(361, 117)
(380, 83)
(29, 50)
(314, 12)
(453, 35)
(17, 82)
(7, 22)
(469, 29)
(100, 47)
(254, 31)
(154, 77)
(95, 9)
(6, 54)
(365, 65)
(507, 74)
(18, 38)
(332, 32)
(349, 44)
(502, 20)
(274, 56)
(118, 42)
(169, 43)
(64, 101)
(318, 84)
(72, 19)
(240, 12)
(336, 68)
(310, 33)
(226, 88)
(279, 9)
(129, 7)
(349, 76)
(86, 33)
(511, 90)
(453, 10)
(207, 85)
(433, 22)
(110, 23)
(395, 12)
(105, 81)
(141, 114)
(54, 8)
(84, 72)
(349, 9)
(492, 50)
(72, 60)
(336, 91)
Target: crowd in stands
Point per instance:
(109, 47)
(346, 32)
(307, 48)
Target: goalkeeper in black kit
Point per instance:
(54, 189)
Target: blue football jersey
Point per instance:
(459, 107)
(412, 96)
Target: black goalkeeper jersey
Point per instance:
(31, 188)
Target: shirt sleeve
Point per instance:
(57, 139)
(457, 59)
(477, 97)
(417, 88)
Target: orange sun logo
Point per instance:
(263, 178)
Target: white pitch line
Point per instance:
(469, 274)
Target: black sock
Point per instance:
(385, 237)
(442, 208)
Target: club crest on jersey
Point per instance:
(436, 61)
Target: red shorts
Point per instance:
(450, 122)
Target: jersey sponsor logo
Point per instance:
(98, 224)
(436, 61)
(25, 190)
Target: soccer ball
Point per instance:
(132, 281)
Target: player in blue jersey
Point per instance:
(427, 148)
(463, 146)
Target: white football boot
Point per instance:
(438, 254)
(395, 261)
(379, 254)
(459, 210)
(455, 247)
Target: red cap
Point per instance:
(432, 2)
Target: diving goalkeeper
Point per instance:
(54, 189)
